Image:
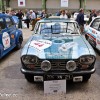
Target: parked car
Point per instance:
(57, 50)
(10, 36)
(92, 32)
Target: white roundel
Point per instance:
(6, 40)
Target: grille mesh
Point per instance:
(55, 64)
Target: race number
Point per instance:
(6, 40)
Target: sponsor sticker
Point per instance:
(41, 44)
(67, 46)
(6, 40)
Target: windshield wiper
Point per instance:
(74, 33)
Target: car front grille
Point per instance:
(55, 64)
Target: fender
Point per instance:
(18, 34)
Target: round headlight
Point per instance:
(71, 65)
(87, 59)
(28, 59)
(45, 65)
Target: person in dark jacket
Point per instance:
(80, 19)
(20, 15)
(92, 15)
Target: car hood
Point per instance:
(69, 47)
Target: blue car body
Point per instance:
(57, 49)
(10, 36)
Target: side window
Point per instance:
(96, 24)
(2, 24)
(9, 22)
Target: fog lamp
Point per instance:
(46, 65)
(71, 65)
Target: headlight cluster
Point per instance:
(87, 59)
(29, 59)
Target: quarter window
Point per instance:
(2, 24)
(9, 22)
(96, 23)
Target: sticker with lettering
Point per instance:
(64, 47)
(6, 40)
(41, 44)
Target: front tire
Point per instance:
(86, 77)
(29, 78)
(19, 43)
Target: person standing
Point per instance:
(20, 15)
(92, 15)
(63, 14)
(27, 20)
(33, 18)
(59, 13)
(80, 19)
(44, 14)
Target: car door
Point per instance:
(11, 30)
(95, 32)
(4, 37)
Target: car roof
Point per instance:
(97, 17)
(57, 20)
(3, 15)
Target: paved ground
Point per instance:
(13, 85)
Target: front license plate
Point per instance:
(58, 77)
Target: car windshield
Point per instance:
(63, 28)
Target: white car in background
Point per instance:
(92, 32)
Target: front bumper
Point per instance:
(42, 73)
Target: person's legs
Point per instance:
(27, 22)
(33, 24)
(82, 28)
(20, 23)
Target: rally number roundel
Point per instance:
(6, 40)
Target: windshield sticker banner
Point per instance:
(41, 44)
(6, 40)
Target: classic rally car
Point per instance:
(10, 36)
(57, 50)
(92, 32)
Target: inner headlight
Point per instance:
(71, 65)
(87, 59)
(46, 65)
(29, 59)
